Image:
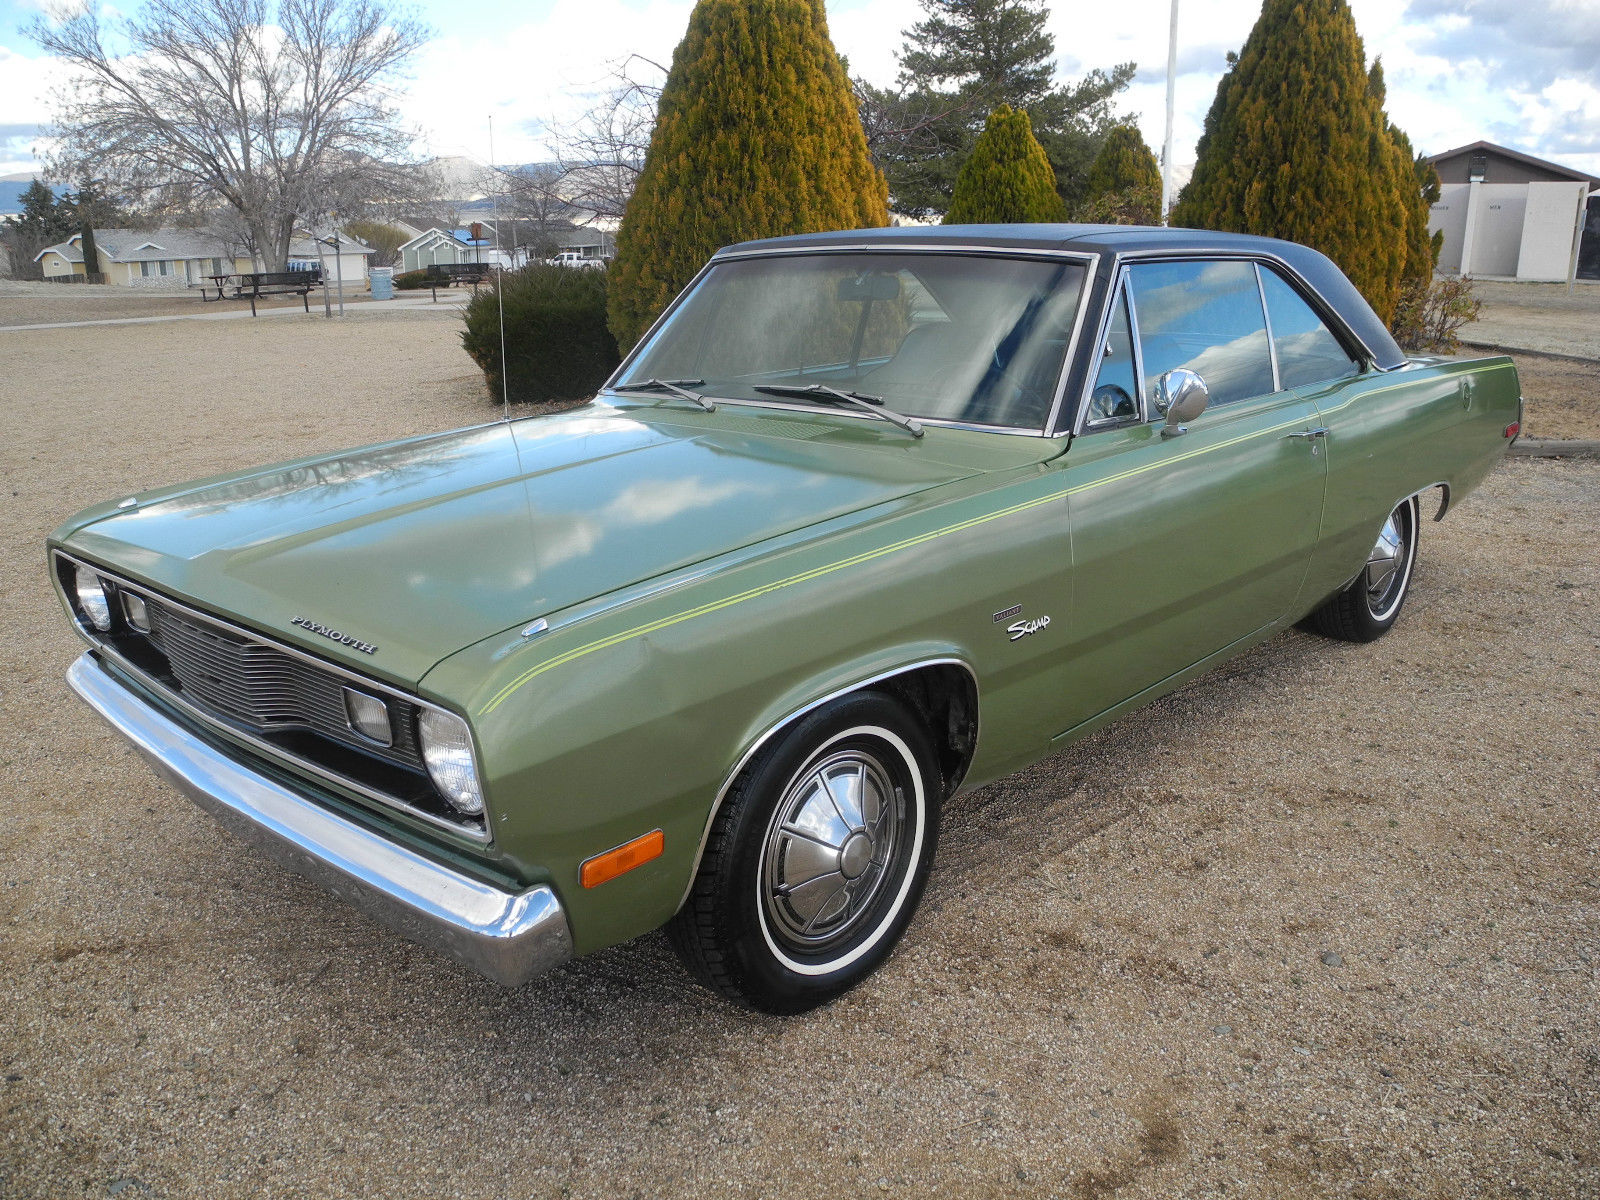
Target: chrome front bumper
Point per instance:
(507, 936)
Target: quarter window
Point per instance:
(1306, 348)
(1115, 389)
(1205, 316)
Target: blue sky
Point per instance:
(1526, 75)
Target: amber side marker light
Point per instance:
(605, 867)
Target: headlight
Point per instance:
(92, 599)
(447, 749)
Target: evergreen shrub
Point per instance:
(1007, 178)
(757, 135)
(557, 344)
(410, 281)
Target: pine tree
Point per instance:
(757, 136)
(961, 61)
(1124, 164)
(994, 50)
(1297, 146)
(42, 214)
(1007, 177)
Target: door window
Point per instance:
(1205, 316)
(1306, 348)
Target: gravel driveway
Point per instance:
(1324, 923)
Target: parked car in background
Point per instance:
(571, 258)
(865, 519)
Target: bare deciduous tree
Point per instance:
(277, 110)
(598, 158)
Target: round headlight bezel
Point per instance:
(451, 759)
(91, 591)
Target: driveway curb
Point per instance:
(1556, 448)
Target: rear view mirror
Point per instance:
(876, 286)
(1182, 395)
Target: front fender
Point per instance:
(635, 717)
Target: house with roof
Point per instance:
(1506, 214)
(161, 258)
(180, 258)
(450, 245)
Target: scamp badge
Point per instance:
(1021, 629)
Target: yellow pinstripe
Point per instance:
(855, 560)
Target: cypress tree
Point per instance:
(1124, 164)
(1007, 177)
(757, 135)
(1297, 146)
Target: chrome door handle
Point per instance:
(1309, 434)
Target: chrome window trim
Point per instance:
(277, 753)
(1090, 260)
(777, 726)
(1308, 293)
(1121, 293)
(1134, 345)
(1123, 261)
(1272, 342)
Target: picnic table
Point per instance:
(449, 274)
(259, 285)
(262, 284)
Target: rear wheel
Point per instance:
(1371, 602)
(817, 859)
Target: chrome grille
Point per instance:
(263, 688)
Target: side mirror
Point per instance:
(1182, 395)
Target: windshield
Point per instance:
(954, 337)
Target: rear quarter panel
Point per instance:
(1396, 433)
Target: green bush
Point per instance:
(410, 281)
(1007, 177)
(556, 341)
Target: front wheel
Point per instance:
(817, 859)
(1370, 603)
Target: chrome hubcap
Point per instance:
(1386, 565)
(833, 843)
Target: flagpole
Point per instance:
(1166, 148)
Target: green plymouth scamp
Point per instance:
(866, 518)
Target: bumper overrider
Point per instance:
(506, 936)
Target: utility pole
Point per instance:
(1166, 148)
(338, 268)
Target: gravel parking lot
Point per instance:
(1323, 923)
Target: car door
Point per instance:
(1186, 543)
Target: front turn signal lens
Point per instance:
(368, 716)
(605, 867)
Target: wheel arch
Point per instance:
(941, 689)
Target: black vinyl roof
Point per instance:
(1318, 272)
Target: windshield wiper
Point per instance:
(866, 403)
(675, 387)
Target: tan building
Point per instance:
(161, 258)
(1508, 215)
(182, 258)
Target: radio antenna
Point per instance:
(499, 280)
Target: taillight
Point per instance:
(1513, 429)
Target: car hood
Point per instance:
(422, 547)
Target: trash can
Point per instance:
(382, 279)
